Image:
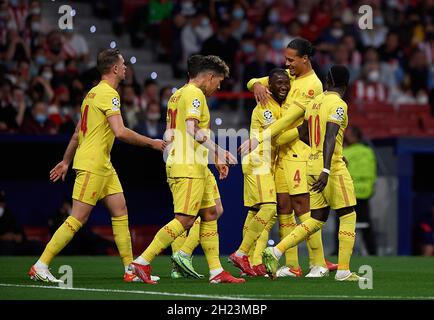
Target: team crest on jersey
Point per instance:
(196, 103)
(115, 104)
(339, 115)
(310, 93)
(268, 116)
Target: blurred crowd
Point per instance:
(45, 72)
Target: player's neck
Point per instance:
(197, 82)
(306, 69)
(111, 81)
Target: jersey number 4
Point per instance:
(83, 127)
(314, 132)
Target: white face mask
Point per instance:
(2, 211)
(374, 76)
(422, 98)
(303, 18)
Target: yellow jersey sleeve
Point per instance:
(337, 112)
(194, 103)
(109, 103)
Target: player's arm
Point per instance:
(328, 149)
(259, 86)
(223, 158)
(129, 136)
(60, 170)
(274, 129)
(302, 132)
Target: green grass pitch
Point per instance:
(101, 278)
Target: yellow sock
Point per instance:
(347, 237)
(287, 224)
(249, 218)
(192, 240)
(178, 242)
(122, 237)
(256, 226)
(300, 233)
(209, 240)
(60, 239)
(260, 244)
(314, 245)
(164, 237)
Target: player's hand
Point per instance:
(321, 183)
(230, 159)
(223, 170)
(248, 146)
(261, 93)
(158, 144)
(59, 171)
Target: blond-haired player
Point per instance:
(96, 179)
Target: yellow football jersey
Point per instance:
(303, 90)
(187, 158)
(261, 160)
(327, 107)
(95, 139)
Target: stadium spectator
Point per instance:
(131, 79)
(260, 66)
(193, 35)
(420, 76)
(13, 240)
(12, 107)
(151, 125)
(224, 45)
(38, 122)
(130, 107)
(150, 93)
(362, 165)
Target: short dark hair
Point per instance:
(339, 75)
(279, 72)
(194, 65)
(106, 59)
(303, 47)
(214, 64)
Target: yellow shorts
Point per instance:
(192, 194)
(290, 177)
(338, 193)
(90, 187)
(259, 189)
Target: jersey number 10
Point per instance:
(315, 131)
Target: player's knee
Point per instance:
(300, 204)
(209, 214)
(186, 221)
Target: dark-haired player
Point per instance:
(290, 174)
(329, 181)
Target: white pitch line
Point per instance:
(239, 297)
(173, 294)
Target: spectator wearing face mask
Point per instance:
(151, 125)
(37, 122)
(130, 107)
(375, 36)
